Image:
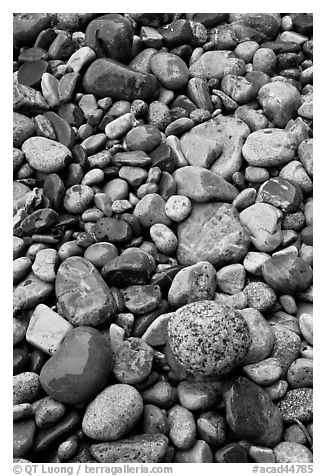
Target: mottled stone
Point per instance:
(297, 404)
(46, 155)
(286, 346)
(133, 361)
(287, 274)
(288, 452)
(262, 336)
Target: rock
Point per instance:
(286, 346)
(255, 26)
(47, 329)
(264, 224)
(164, 239)
(306, 327)
(23, 129)
(255, 120)
(23, 437)
(137, 449)
(260, 296)
(178, 207)
(264, 372)
(170, 70)
(28, 101)
(295, 172)
(198, 395)
(30, 292)
(280, 101)
(46, 155)
(300, 373)
(82, 295)
(80, 59)
(280, 193)
(145, 138)
(297, 405)
(140, 299)
(194, 331)
(162, 394)
(277, 390)
(231, 278)
(133, 361)
(238, 88)
(287, 274)
(69, 376)
(305, 154)
(201, 185)
(112, 230)
(26, 26)
(107, 77)
(211, 427)
(110, 36)
(37, 221)
(199, 453)
(287, 452)
(151, 210)
(262, 336)
(21, 266)
(113, 413)
(251, 413)
(44, 266)
(154, 420)
(212, 232)
(48, 412)
(269, 147)
(100, 253)
(193, 283)
(261, 454)
(265, 60)
(182, 424)
(26, 387)
(127, 269)
(216, 64)
(155, 334)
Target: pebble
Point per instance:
(170, 69)
(26, 387)
(127, 269)
(44, 266)
(306, 327)
(48, 412)
(156, 333)
(287, 274)
(300, 373)
(154, 420)
(21, 266)
(161, 394)
(295, 172)
(280, 193)
(254, 261)
(30, 292)
(231, 278)
(280, 101)
(251, 413)
(133, 361)
(151, 210)
(265, 372)
(76, 279)
(164, 239)
(216, 64)
(198, 395)
(140, 299)
(47, 329)
(19, 331)
(113, 413)
(178, 207)
(277, 390)
(211, 427)
(182, 431)
(23, 437)
(46, 155)
(261, 454)
(193, 283)
(260, 296)
(112, 230)
(288, 452)
(232, 453)
(186, 331)
(23, 129)
(83, 350)
(297, 404)
(286, 346)
(78, 198)
(67, 449)
(22, 410)
(100, 253)
(295, 434)
(261, 334)
(137, 449)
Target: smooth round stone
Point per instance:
(136, 449)
(198, 395)
(18, 247)
(141, 299)
(23, 129)
(297, 405)
(93, 177)
(133, 361)
(199, 453)
(30, 292)
(78, 198)
(164, 239)
(286, 346)
(67, 449)
(83, 297)
(113, 413)
(295, 172)
(269, 147)
(280, 101)
(300, 373)
(182, 424)
(21, 266)
(54, 190)
(26, 387)
(116, 189)
(280, 193)
(306, 327)
(261, 454)
(288, 452)
(193, 283)
(171, 70)
(287, 274)
(151, 210)
(264, 372)
(251, 413)
(178, 207)
(19, 331)
(277, 390)
(159, 114)
(79, 368)
(212, 232)
(100, 253)
(231, 278)
(260, 296)
(194, 331)
(135, 176)
(146, 138)
(23, 437)
(154, 420)
(109, 78)
(305, 154)
(20, 360)
(262, 336)
(161, 394)
(46, 155)
(113, 230)
(48, 411)
(155, 334)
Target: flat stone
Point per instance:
(201, 185)
(146, 138)
(107, 77)
(137, 449)
(212, 232)
(113, 413)
(269, 147)
(238, 88)
(83, 297)
(79, 368)
(251, 413)
(47, 329)
(194, 331)
(112, 230)
(46, 155)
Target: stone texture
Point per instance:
(46, 155)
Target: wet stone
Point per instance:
(141, 299)
(133, 361)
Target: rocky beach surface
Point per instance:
(163, 237)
